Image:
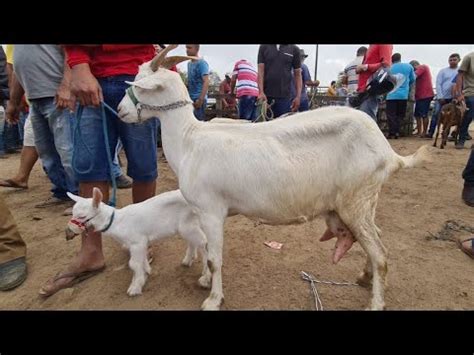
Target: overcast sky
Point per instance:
(331, 59)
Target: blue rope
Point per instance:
(77, 137)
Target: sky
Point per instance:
(331, 59)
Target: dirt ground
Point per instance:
(423, 273)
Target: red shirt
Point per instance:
(111, 59)
(377, 55)
(424, 84)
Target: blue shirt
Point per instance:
(305, 76)
(196, 71)
(409, 78)
(444, 83)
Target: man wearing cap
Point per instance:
(306, 81)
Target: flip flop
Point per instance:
(77, 277)
(468, 252)
(11, 183)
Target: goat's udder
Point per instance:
(344, 242)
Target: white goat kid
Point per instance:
(330, 161)
(137, 225)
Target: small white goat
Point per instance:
(137, 225)
(330, 161)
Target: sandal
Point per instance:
(77, 277)
(11, 183)
(468, 252)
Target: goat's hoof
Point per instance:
(376, 307)
(211, 304)
(134, 291)
(205, 282)
(187, 262)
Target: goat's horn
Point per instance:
(156, 62)
(176, 59)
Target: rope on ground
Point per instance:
(313, 281)
(448, 229)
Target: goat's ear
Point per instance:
(149, 82)
(74, 197)
(168, 62)
(96, 197)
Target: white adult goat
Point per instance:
(331, 161)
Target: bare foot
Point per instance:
(77, 271)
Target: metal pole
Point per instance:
(316, 63)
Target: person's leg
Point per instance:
(391, 111)
(370, 107)
(11, 137)
(44, 142)
(434, 119)
(468, 176)
(245, 109)
(60, 123)
(29, 157)
(200, 113)
(21, 125)
(2, 127)
(252, 101)
(463, 131)
(280, 106)
(304, 106)
(12, 251)
(115, 163)
(401, 112)
(91, 171)
(140, 147)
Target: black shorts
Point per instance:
(422, 107)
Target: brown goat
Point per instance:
(451, 114)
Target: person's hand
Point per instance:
(64, 98)
(198, 103)
(262, 96)
(360, 68)
(12, 113)
(295, 104)
(85, 86)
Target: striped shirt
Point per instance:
(352, 76)
(247, 84)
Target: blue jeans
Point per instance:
(138, 139)
(11, 136)
(280, 106)
(115, 163)
(304, 105)
(53, 141)
(21, 125)
(370, 106)
(247, 108)
(463, 131)
(200, 113)
(468, 173)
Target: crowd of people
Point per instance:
(42, 87)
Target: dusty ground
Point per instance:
(423, 274)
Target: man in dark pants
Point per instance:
(275, 63)
(397, 100)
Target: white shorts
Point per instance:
(28, 136)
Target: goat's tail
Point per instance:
(421, 156)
